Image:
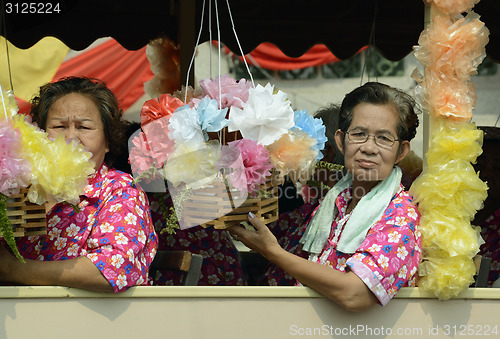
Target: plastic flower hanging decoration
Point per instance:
(449, 191)
(52, 169)
(234, 133)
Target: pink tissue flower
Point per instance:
(250, 162)
(151, 147)
(233, 93)
(15, 171)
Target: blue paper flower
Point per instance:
(312, 126)
(211, 118)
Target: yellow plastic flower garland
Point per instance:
(59, 170)
(449, 191)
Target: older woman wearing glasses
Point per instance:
(363, 240)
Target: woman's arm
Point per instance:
(344, 288)
(78, 272)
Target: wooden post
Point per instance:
(187, 38)
(426, 117)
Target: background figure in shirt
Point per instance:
(108, 242)
(488, 165)
(364, 239)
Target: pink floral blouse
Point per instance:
(113, 229)
(389, 256)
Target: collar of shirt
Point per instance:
(93, 189)
(342, 201)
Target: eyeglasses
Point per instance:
(383, 140)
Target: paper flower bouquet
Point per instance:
(217, 146)
(36, 169)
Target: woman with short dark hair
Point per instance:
(107, 241)
(363, 239)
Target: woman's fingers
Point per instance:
(256, 222)
(236, 232)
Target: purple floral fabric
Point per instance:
(288, 229)
(490, 231)
(221, 263)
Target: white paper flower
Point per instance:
(185, 127)
(265, 117)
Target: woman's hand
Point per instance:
(346, 289)
(261, 239)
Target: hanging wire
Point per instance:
(194, 51)
(210, 33)
(218, 50)
(370, 54)
(222, 137)
(239, 45)
(496, 122)
(3, 102)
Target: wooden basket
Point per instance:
(222, 207)
(26, 218)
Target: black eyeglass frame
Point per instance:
(374, 138)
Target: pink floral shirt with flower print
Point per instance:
(113, 229)
(388, 258)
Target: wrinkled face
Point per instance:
(78, 118)
(368, 162)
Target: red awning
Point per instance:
(268, 56)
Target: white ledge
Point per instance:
(9, 292)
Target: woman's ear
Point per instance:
(339, 139)
(328, 152)
(404, 149)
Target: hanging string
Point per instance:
(496, 122)
(194, 51)
(238, 41)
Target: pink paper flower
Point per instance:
(233, 93)
(15, 171)
(151, 148)
(140, 159)
(160, 144)
(250, 162)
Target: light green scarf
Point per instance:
(367, 212)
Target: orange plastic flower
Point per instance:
(159, 107)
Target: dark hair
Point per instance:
(380, 94)
(330, 116)
(99, 93)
